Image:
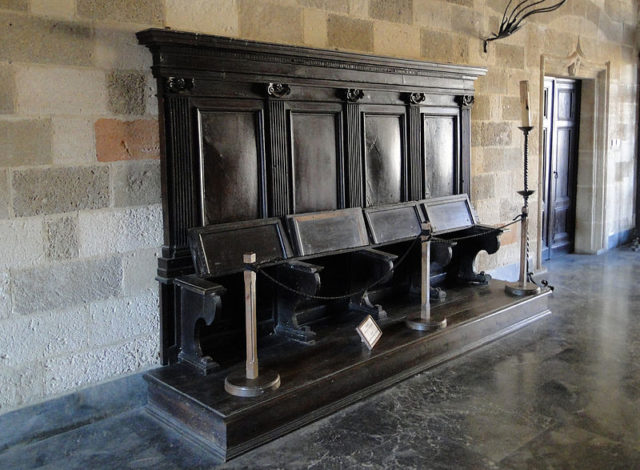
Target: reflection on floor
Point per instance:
(562, 393)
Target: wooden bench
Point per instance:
(335, 241)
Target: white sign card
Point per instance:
(369, 332)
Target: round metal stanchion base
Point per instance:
(519, 289)
(419, 323)
(239, 385)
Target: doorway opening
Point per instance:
(560, 137)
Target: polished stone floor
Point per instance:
(563, 393)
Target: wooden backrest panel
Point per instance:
(447, 214)
(394, 223)
(322, 232)
(217, 249)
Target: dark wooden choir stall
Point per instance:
(328, 166)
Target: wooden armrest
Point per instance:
(377, 254)
(199, 285)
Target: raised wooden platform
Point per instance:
(335, 372)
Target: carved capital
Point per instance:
(278, 90)
(178, 84)
(465, 101)
(416, 98)
(353, 95)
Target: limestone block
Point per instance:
(444, 47)
(126, 92)
(118, 320)
(20, 385)
(55, 8)
(205, 16)
(126, 140)
(18, 5)
(119, 49)
(5, 194)
(511, 108)
(119, 231)
(348, 33)
(73, 140)
(495, 82)
(495, 134)
(396, 40)
(66, 284)
(267, 22)
(54, 90)
(77, 370)
(398, 11)
(509, 55)
(465, 3)
(61, 236)
(339, 6)
(136, 183)
(25, 142)
(619, 10)
(25, 339)
(139, 269)
(148, 12)
(44, 41)
(55, 190)
(483, 187)
(5, 297)
(359, 8)
(466, 21)
(151, 92)
(8, 90)
(432, 14)
(21, 242)
(481, 108)
(315, 28)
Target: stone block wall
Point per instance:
(80, 215)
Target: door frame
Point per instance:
(590, 229)
(550, 162)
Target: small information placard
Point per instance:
(369, 332)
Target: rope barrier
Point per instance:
(259, 269)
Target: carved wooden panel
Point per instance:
(219, 248)
(440, 153)
(316, 158)
(231, 163)
(327, 231)
(384, 158)
(393, 223)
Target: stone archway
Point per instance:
(590, 230)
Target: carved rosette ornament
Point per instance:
(416, 98)
(278, 90)
(178, 84)
(353, 95)
(465, 101)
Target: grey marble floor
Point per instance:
(563, 393)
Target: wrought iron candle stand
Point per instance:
(523, 286)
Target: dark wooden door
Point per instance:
(560, 153)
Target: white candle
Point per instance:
(524, 101)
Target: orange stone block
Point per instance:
(127, 140)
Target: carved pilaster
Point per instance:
(279, 168)
(179, 84)
(278, 90)
(354, 156)
(182, 205)
(353, 95)
(466, 103)
(416, 171)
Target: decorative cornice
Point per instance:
(465, 101)
(278, 90)
(416, 98)
(178, 84)
(353, 95)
